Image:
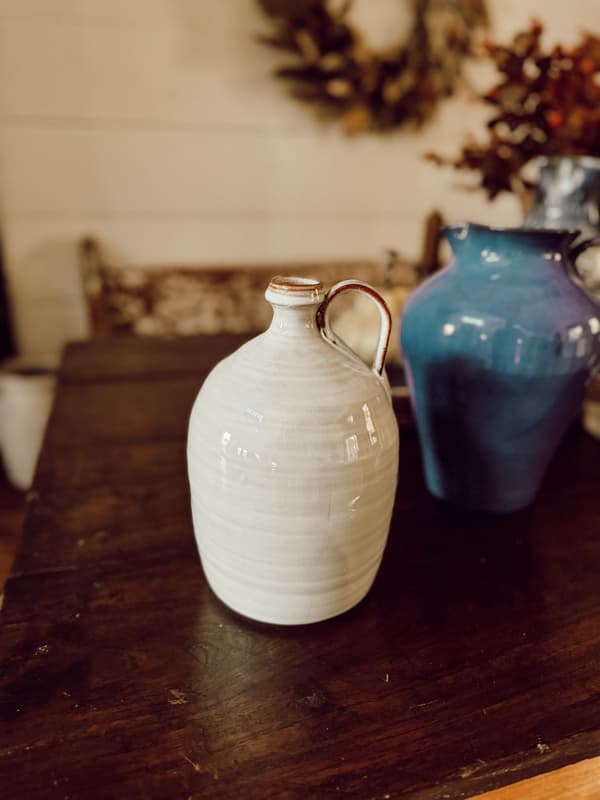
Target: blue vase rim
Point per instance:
(522, 232)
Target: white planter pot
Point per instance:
(292, 459)
(25, 401)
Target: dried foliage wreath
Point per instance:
(546, 103)
(335, 69)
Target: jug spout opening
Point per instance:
(286, 290)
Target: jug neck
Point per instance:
(295, 302)
(486, 250)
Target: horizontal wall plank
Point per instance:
(561, 22)
(41, 252)
(42, 256)
(136, 14)
(42, 67)
(199, 63)
(43, 324)
(171, 74)
(182, 173)
(165, 172)
(54, 74)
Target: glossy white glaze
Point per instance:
(292, 459)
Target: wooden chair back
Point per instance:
(183, 301)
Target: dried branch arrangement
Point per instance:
(334, 69)
(546, 103)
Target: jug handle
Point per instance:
(578, 249)
(385, 328)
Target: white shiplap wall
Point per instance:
(154, 125)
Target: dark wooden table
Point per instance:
(473, 663)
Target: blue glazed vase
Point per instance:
(498, 348)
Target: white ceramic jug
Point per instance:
(292, 460)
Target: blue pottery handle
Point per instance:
(576, 250)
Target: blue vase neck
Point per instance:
(484, 250)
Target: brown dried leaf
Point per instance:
(356, 120)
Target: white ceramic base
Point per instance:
(261, 607)
(25, 402)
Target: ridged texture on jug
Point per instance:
(292, 457)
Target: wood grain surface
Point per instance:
(472, 664)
